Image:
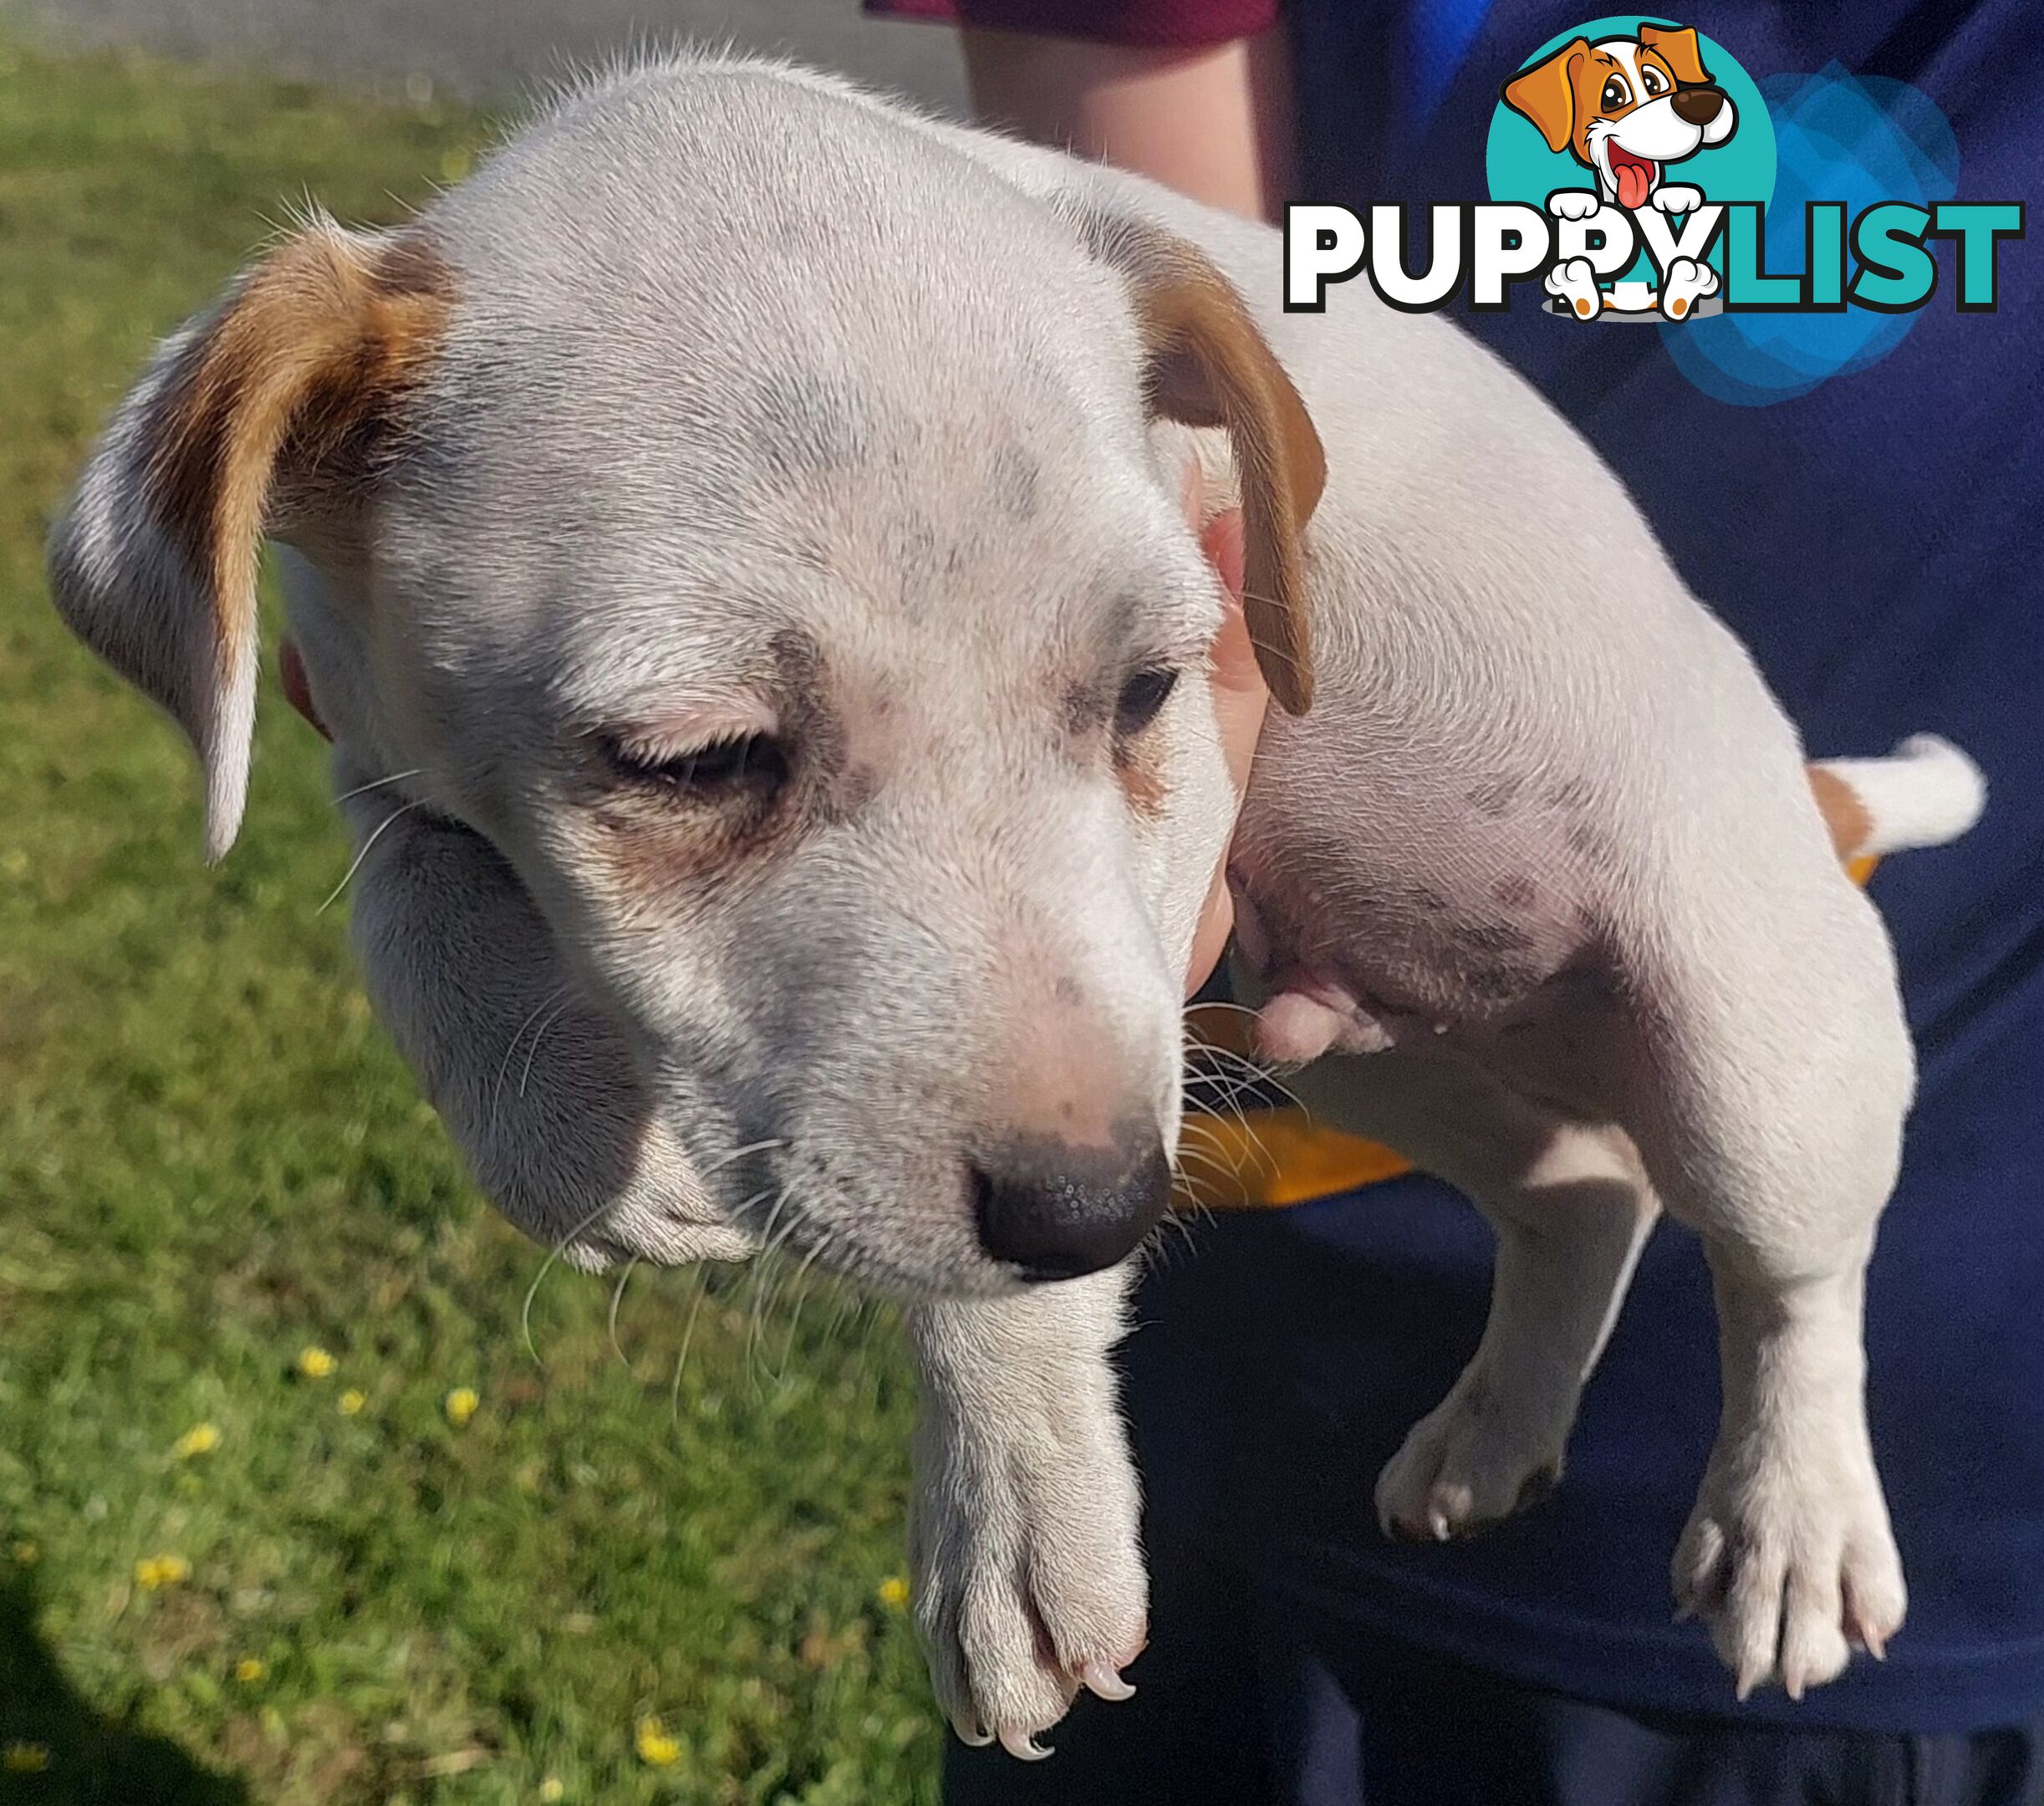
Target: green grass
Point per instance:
(211, 1160)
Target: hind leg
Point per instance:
(1571, 1207)
(1788, 1557)
(1775, 1134)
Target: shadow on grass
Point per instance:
(92, 1760)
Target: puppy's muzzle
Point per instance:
(1052, 1210)
(1698, 105)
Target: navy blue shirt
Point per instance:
(1878, 543)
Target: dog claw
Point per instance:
(1105, 1682)
(1024, 1746)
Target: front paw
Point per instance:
(1030, 1582)
(1676, 197)
(1574, 203)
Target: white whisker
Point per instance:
(617, 1299)
(355, 865)
(377, 784)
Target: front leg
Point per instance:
(1677, 197)
(1024, 1528)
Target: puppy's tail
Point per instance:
(1925, 792)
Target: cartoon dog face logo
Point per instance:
(1626, 108)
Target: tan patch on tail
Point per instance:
(1844, 814)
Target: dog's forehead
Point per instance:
(939, 576)
(716, 221)
(706, 384)
(1621, 53)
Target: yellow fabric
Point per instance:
(1269, 1159)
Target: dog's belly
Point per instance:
(1406, 906)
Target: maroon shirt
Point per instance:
(1149, 24)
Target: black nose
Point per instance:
(1056, 1212)
(1698, 106)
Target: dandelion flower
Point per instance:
(154, 1571)
(315, 1363)
(249, 1669)
(654, 1746)
(350, 1403)
(25, 1758)
(894, 1593)
(462, 1403)
(200, 1439)
(553, 1788)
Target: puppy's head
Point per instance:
(746, 515)
(1625, 106)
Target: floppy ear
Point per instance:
(1210, 366)
(1679, 48)
(1545, 93)
(267, 414)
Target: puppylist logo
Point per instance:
(1625, 108)
(1780, 232)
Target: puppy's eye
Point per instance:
(1616, 94)
(1142, 697)
(1650, 80)
(753, 765)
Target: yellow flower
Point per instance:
(553, 1788)
(350, 1403)
(249, 1669)
(26, 1553)
(200, 1439)
(462, 1403)
(161, 1571)
(894, 1593)
(654, 1744)
(25, 1758)
(314, 1362)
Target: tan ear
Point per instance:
(1678, 48)
(1210, 366)
(1545, 93)
(266, 414)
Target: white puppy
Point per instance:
(739, 537)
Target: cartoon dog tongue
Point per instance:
(1633, 177)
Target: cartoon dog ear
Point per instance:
(1209, 365)
(1546, 93)
(1678, 48)
(266, 413)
